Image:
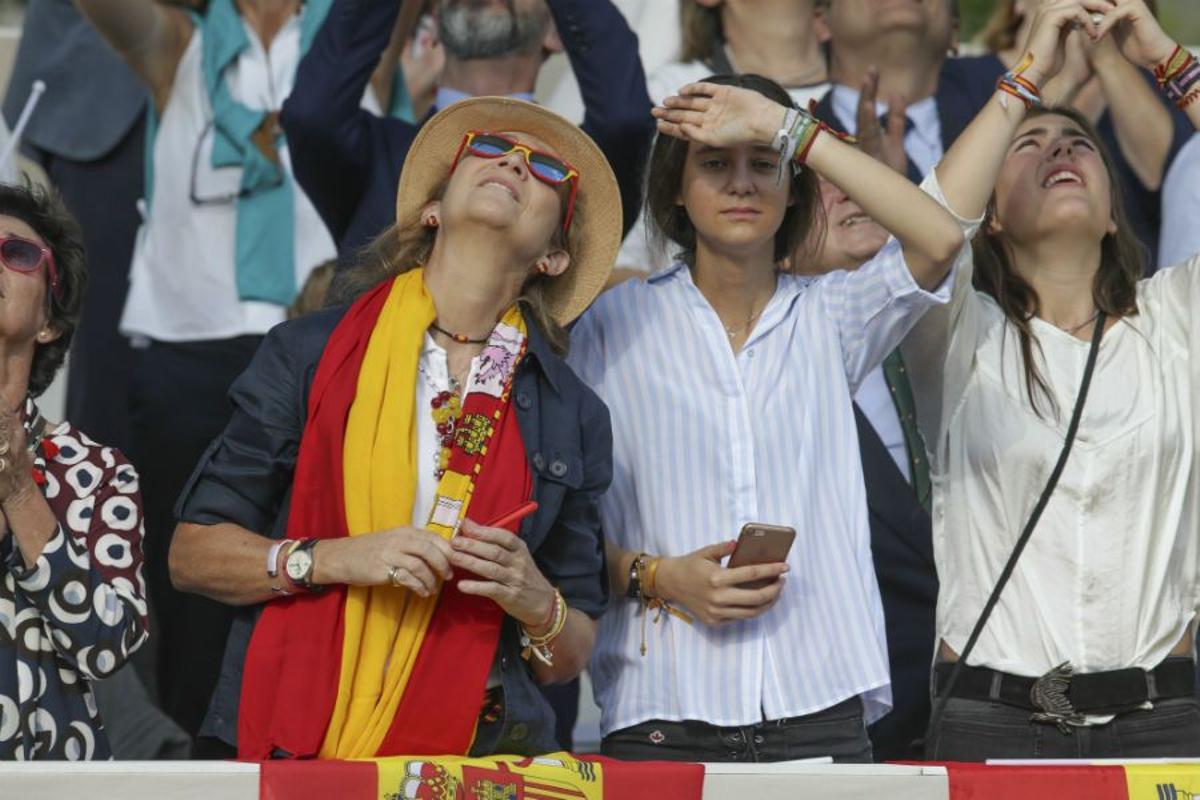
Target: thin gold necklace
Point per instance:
(732, 333)
(1075, 329)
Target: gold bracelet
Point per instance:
(650, 577)
(652, 602)
(539, 646)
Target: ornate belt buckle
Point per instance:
(1049, 696)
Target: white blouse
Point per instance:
(1109, 576)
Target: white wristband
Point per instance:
(273, 557)
(784, 143)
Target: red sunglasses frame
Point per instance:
(572, 176)
(47, 259)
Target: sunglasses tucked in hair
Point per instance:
(23, 255)
(547, 168)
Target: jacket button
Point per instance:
(539, 462)
(519, 732)
(558, 468)
(524, 401)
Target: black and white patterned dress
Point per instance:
(80, 611)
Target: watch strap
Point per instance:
(305, 580)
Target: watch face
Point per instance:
(298, 565)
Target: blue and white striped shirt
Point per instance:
(705, 441)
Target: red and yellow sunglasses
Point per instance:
(547, 168)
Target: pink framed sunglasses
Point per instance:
(25, 256)
(547, 168)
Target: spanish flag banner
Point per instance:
(1103, 781)
(556, 776)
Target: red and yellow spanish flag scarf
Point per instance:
(357, 672)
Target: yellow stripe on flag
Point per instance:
(556, 776)
(1162, 781)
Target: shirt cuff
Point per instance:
(56, 558)
(933, 188)
(900, 281)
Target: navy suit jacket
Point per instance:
(348, 160)
(902, 549)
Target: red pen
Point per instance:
(516, 515)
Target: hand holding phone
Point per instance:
(759, 543)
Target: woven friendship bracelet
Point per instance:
(1014, 83)
(1179, 77)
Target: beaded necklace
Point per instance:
(446, 408)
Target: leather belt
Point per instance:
(1061, 696)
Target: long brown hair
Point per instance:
(1000, 32)
(408, 244)
(700, 27)
(800, 234)
(1114, 290)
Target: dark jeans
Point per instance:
(976, 730)
(178, 406)
(839, 731)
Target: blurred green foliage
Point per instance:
(1180, 17)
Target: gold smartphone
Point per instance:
(759, 543)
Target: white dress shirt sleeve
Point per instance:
(874, 307)
(1180, 236)
(940, 350)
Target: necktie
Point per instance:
(896, 376)
(913, 173)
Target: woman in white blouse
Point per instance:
(729, 381)
(1102, 602)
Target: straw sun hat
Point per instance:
(595, 232)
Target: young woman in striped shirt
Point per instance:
(729, 379)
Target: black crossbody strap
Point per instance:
(940, 701)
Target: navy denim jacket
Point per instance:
(245, 477)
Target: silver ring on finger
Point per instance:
(394, 576)
(4, 447)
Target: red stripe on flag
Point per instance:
(650, 780)
(318, 780)
(1049, 782)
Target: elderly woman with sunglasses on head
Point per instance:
(72, 600)
(366, 493)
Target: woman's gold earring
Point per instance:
(541, 268)
(431, 221)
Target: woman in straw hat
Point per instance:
(366, 493)
(730, 381)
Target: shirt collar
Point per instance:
(790, 285)
(447, 97)
(539, 352)
(923, 113)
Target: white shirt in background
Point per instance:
(1179, 238)
(923, 142)
(182, 282)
